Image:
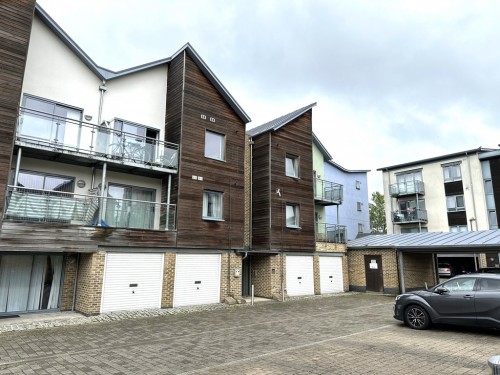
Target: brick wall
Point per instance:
(89, 284)
(317, 280)
(356, 267)
(69, 280)
(418, 270)
(268, 273)
(230, 283)
(167, 293)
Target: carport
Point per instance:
(393, 263)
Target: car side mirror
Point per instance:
(441, 290)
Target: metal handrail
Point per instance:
(328, 190)
(333, 233)
(407, 188)
(417, 215)
(92, 140)
(39, 205)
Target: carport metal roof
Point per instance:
(473, 242)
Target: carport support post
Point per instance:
(399, 255)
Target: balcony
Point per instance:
(81, 143)
(327, 193)
(332, 233)
(417, 215)
(34, 205)
(407, 188)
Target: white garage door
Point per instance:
(299, 275)
(132, 281)
(330, 274)
(197, 279)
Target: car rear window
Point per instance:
(490, 284)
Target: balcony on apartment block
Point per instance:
(58, 207)
(67, 140)
(407, 188)
(327, 193)
(410, 216)
(332, 233)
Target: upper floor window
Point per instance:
(358, 185)
(409, 177)
(292, 215)
(361, 228)
(131, 141)
(455, 203)
(50, 122)
(212, 205)
(48, 182)
(215, 145)
(292, 166)
(458, 228)
(359, 206)
(452, 173)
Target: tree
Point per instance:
(377, 213)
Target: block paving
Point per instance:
(349, 333)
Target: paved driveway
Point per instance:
(344, 334)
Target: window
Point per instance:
(212, 205)
(414, 230)
(490, 284)
(361, 228)
(458, 228)
(42, 181)
(133, 141)
(455, 203)
(215, 145)
(130, 207)
(409, 183)
(292, 166)
(292, 215)
(452, 173)
(358, 185)
(359, 206)
(460, 285)
(50, 122)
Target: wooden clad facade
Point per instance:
(194, 106)
(273, 190)
(16, 18)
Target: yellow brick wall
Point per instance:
(89, 284)
(167, 292)
(68, 284)
(418, 270)
(356, 267)
(230, 282)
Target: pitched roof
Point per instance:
(106, 74)
(279, 122)
(476, 241)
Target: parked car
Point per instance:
(444, 270)
(489, 270)
(471, 299)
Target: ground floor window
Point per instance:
(30, 282)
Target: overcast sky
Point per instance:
(395, 81)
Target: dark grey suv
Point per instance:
(471, 299)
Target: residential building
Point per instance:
(122, 190)
(284, 257)
(449, 193)
(348, 212)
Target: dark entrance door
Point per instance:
(373, 272)
(246, 280)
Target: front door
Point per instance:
(373, 272)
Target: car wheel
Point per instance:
(416, 317)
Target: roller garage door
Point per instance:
(132, 281)
(330, 274)
(299, 275)
(197, 279)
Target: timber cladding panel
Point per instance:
(204, 108)
(294, 138)
(15, 28)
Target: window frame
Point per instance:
(222, 146)
(455, 208)
(452, 176)
(205, 208)
(295, 165)
(296, 214)
(359, 206)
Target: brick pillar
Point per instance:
(89, 284)
(167, 293)
(68, 286)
